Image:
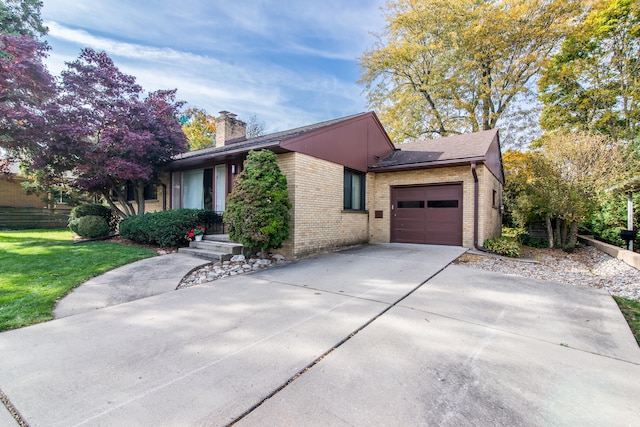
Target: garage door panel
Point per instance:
(427, 214)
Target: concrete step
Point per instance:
(218, 246)
(214, 250)
(206, 254)
(216, 237)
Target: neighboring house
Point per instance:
(12, 193)
(19, 210)
(349, 184)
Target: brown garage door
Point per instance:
(430, 214)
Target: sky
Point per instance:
(289, 62)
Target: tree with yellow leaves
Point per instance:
(443, 67)
(199, 127)
(560, 180)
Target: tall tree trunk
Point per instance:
(121, 213)
(565, 232)
(139, 192)
(573, 236)
(547, 220)
(559, 232)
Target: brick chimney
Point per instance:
(229, 129)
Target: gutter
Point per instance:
(430, 164)
(476, 196)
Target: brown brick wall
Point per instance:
(319, 223)
(12, 195)
(380, 199)
(490, 218)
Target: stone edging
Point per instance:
(627, 256)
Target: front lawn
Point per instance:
(631, 311)
(38, 267)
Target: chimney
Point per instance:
(229, 129)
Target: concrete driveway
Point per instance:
(350, 338)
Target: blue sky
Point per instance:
(289, 62)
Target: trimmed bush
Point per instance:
(258, 207)
(166, 228)
(92, 209)
(506, 246)
(92, 226)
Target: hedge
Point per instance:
(166, 228)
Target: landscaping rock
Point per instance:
(237, 265)
(586, 266)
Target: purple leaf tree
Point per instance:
(108, 135)
(25, 90)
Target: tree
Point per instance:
(443, 67)
(22, 17)
(199, 128)
(593, 83)
(25, 84)
(255, 127)
(108, 135)
(563, 178)
(258, 207)
(25, 89)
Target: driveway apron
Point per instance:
(350, 338)
(206, 354)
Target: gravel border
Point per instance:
(586, 266)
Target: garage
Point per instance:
(427, 214)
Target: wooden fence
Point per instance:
(26, 218)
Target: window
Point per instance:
(150, 192)
(193, 189)
(354, 187)
(221, 187)
(495, 199)
(411, 204)
(442, 204)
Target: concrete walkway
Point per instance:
(351, 338)
(142, 279)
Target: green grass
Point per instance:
(38, 267)
(631, 311)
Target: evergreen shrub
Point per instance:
(92, 209)
(92, 226)
(258, 207)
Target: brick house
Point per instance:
(19, 210)
(349, 184)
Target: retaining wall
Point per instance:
(631, 258)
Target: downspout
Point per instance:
(476, 196)
(164, 196)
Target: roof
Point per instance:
(271, 141)
(631, 185)
(453, 149)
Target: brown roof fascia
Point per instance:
(207, 158)
(429, 165)
(272, 142)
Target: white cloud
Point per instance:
(290, 62)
